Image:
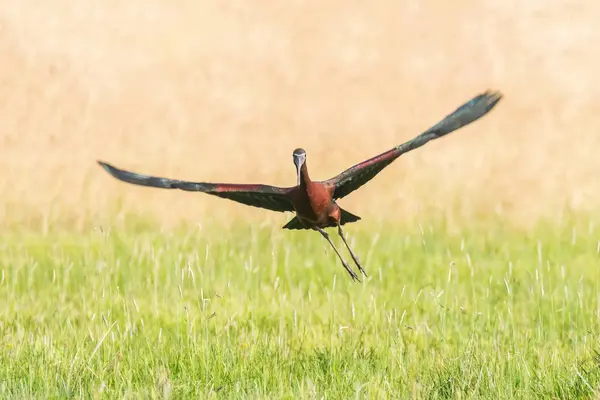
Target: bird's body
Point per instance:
(313, 206)
(314, 202)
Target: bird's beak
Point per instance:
(298, 161)
(298, 171)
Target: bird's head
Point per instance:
(299, 160)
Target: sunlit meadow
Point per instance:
(488, 313)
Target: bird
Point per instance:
(315, 202)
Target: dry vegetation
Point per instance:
(224, 91)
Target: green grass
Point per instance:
(489, 312)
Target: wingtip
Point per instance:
(492, 97)
(106, 166)
(482, 103)
(102, 163)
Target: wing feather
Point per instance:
(361, 173)
(262, 196)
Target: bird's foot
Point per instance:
(360, 268)
(357, 262)
(351, 272)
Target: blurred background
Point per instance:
(224, 91)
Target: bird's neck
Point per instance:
(304, 178)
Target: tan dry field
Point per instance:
(224, 91)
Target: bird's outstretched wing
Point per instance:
(359, 174)
(262, 196)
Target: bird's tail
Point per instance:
(345, 218)
(348, 217)
(294, 224)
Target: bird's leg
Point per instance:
(354, 257)
(344, 263)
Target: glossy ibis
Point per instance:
(314, 202)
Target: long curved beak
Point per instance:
(298, 171)
(298, 162)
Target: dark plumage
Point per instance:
(314, 201)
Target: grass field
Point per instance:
(490, 312)
(483, 247)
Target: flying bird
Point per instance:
(314, 202)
